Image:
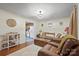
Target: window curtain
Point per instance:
(73, 22)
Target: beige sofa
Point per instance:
(69, 47)
(47, 35)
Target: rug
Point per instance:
(31, 50)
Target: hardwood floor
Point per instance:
(15, 48)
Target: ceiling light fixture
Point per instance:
(40, 13)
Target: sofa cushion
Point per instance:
(63, 40)
(54, 44)
(48, 50)
(68, 45)
(75, 52)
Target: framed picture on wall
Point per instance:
(50, 24)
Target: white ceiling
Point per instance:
(30, 10)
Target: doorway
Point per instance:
(28, 31)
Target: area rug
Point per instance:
(31, 50)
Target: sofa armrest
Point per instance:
(54, 44)
(44, 52)
(56, 40)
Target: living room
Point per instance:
(27, 29)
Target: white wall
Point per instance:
(56, 28)
(20, 27)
